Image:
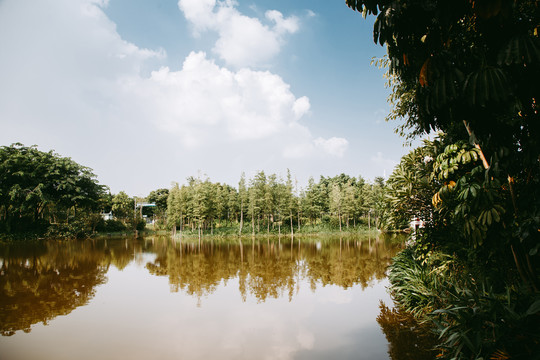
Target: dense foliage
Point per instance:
(42, 191)
(271, 203)
(43, 194)
(469, 70)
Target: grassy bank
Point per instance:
(217, 233)
(233, 232)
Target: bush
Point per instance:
(473, 321)
(110, 226)
(24, 226)
(76, 229)
(478, 323)
(140, 224)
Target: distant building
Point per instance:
(107, 216)
(148, 220)
(417, 223)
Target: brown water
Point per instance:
(157, 298)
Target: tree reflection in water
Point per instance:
(407, 338)
(41, 282)
(38, 283)
(273, 267)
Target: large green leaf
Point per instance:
(489, 84)
(369, 7)
(521, 49)
(446, 87)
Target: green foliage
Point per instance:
(41, 188)
(417, 282)
(409, 189)
(140, 224)
(123, 206)
(159, 197)
(471, 63)
(468, 69)
(460, 60)
(480, 322)
(472, 319)
(269, 204)
(159, 212)
(458, 274)
(110, 226)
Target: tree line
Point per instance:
(271, 204)
(262, 204)
(47, 195)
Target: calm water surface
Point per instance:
(159, 298)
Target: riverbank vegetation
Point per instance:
(264, 204)
(270, 204)
(464, 73)
(44, 195)
(467, 70)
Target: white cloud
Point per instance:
(283, 25)
(242, 40)
(301, 107)
(204, 102)
(333, 295)
(333, 146)
(71, 83)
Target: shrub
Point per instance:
(473, 321)
(111, 226)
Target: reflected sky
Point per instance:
(261, 300)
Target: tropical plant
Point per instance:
(469, 69)
(410, 187)
(39, 189)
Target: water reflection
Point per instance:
(39, 283)
(50, 281)
(270, 268)
(407, 338)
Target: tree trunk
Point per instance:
(521, 258)
(241, 217)
(292, 228)
(476, 145)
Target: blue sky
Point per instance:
(147, 92)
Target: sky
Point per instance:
(150, 92)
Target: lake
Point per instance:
(157, 297)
